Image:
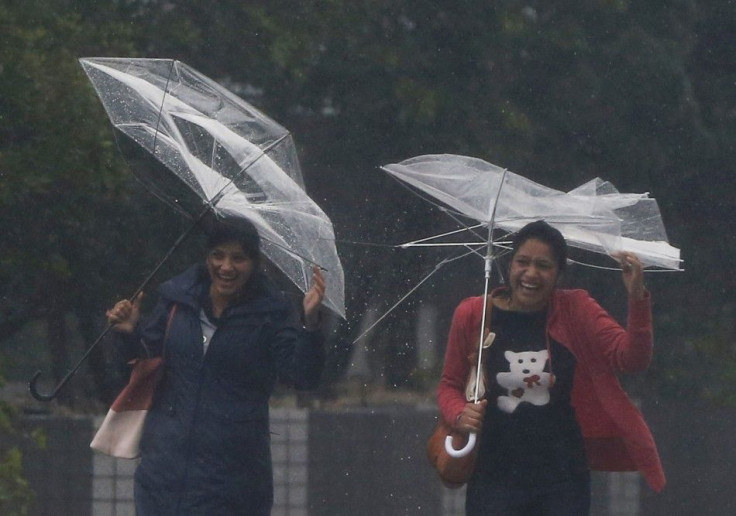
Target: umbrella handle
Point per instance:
(48, 397)
(452, 452)
(34, 380)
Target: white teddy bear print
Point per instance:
(525, 381)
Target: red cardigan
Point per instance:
(616, 436)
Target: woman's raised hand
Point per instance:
(632, 273)
(313, 298)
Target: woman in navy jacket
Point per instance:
(231, 336)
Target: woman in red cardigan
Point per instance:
(553, 407)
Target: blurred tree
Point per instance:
(15, 493)
(67, 228)
(639, 94)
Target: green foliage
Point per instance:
(56, 142)
(64, 185)
(15, 492)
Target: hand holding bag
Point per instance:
(453, 471)
(120, 432)
(456, 471)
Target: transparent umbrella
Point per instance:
(222, 153)
(203, 150)
(594, 217)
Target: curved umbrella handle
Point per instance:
(32, 384)
(47, 397)
(452, 452)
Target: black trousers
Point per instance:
(569, 498)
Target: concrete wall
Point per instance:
(371, 461)
(60, 474)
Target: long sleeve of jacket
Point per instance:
(616, 435)
(299, 355)
(624, 350)
(463, 330)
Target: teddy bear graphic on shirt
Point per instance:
(525, 381)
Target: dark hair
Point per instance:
(238, 230)
(540, 230)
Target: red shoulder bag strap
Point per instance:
(172, 312)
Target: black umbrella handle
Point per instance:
(32, 387)
(48, 397)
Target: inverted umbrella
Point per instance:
(594, 217)
(220, 155)
(228, 155)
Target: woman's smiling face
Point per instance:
(532, 276)
(230, 269)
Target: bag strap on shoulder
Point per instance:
(172, 312)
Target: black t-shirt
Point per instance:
(530, 436)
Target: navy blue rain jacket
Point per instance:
(206, 447)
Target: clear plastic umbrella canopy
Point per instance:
(219, 151)
(594, 216)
